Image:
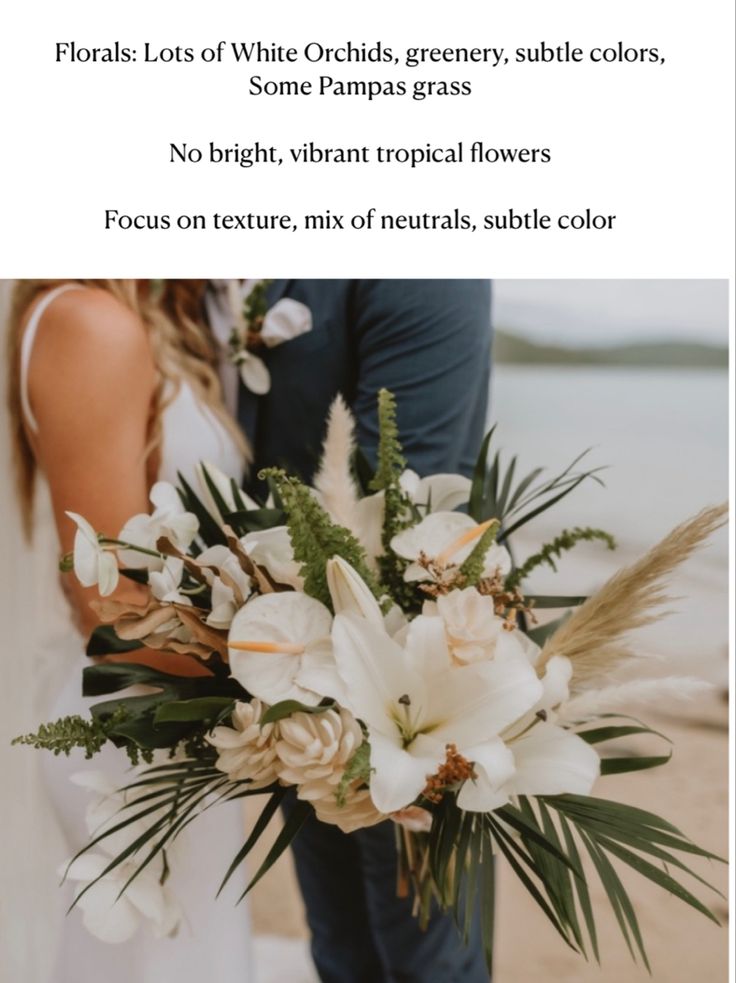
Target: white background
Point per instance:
(651, 144)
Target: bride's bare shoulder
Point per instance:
(90, 330)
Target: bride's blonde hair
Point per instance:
(181, 343)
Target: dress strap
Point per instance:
(29, 336)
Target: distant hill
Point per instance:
(665, 354)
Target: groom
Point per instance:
(429, 342)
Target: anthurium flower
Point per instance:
(169, 518)
(272, 549)
(436, 492)
(233, 497)
(93, 565)
(275, 641)
(415, 701)
(441, 542)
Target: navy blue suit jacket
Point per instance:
(429, 341)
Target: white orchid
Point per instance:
(415, 701)
(93, 564)
(272, 549)
(280, 648)
(231, 586)
(106, 913)
(234, 497)
(441, 542)
(169, 518)
(165, 583)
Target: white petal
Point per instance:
(374, 669)
(105, 916)
(432, 535)
(369, 512)
(399, 776)
(472, 704)
(350, 593)
(255, 374)
(494, 766)
(280, 617)
(86, 551)
(107, 571)
(552, 761)
(165, 497)
(426, 646)
(442, 492)
(272, 549)
(287, 319)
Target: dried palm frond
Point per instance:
(334, 480)
(631, 599)
(620, 696)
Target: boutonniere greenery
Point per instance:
(258, 327)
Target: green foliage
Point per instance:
(316, 539)
(567, 540)
(493, 494)
(542, 839)
(358, 768)
(63, 735)
(398, 512)
(472, 569)
(285, 708)
(255, 306)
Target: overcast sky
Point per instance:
(601, 312)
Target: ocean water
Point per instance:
(662, 436)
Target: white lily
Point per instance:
(169, 518)
(350, 593)
(93, 564)
(233, 497)
(415, 702)
(548, 760)
(272, 549)
(276, 642)
(441, 542)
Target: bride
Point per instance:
(112, 387)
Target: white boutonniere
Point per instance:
(258, 326)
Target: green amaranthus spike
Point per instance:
(472, 568)
(567, 539)
(67, 733)
(316, 538)
(397, 507)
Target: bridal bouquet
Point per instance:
(367, 652)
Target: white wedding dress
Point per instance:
(213, 941)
